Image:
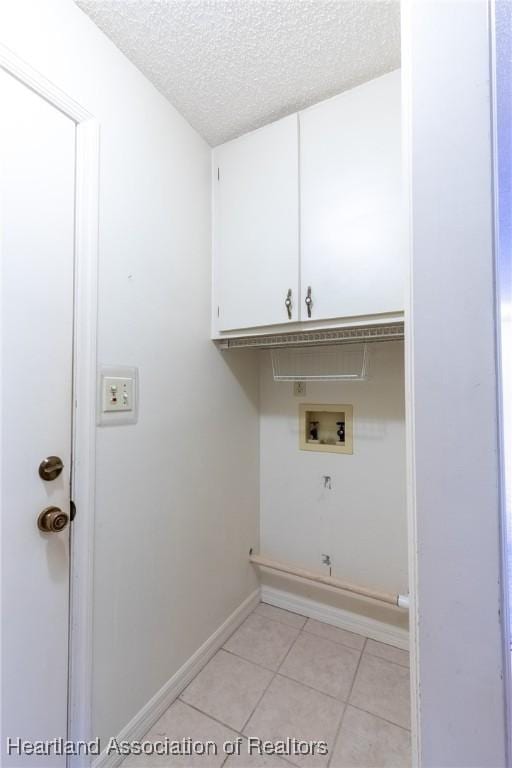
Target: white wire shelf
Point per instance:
(326, 363)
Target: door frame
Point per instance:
(417, 616)
(501, 46)
(412, 535)
(84, 389)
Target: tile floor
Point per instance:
(281, 675)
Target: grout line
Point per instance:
(337, 734)
(237, 628)
(208, 714)
(288, 652)
(338, 642)
(357, 669)
(276, 607)
(249, 661)
(379, 717)
(382, 658)
(389, 645)
(338, 731)
(257, 703)
(274, 673)
(276, 621)
(265, 618)
(337, 699)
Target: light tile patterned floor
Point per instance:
(281, 676)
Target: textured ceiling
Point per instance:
(233, 65)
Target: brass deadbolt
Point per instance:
(52, 520)
(50, 468)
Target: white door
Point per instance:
(37, 250)
(256, 189)
(352, 254)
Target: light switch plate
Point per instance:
(117, 395)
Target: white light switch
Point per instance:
(117, 395)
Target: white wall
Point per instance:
(451, 373)
(361, 522)
(177, 494)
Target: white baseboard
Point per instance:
(155, 707)
(353, 622)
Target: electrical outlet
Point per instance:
(299, 388)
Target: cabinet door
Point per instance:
(256, 227)
(352, 253)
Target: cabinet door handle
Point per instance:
(288, 303)
(309, 301)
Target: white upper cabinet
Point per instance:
(256, 228)
(346, 249)
(352, 253)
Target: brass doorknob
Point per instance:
(52, 520)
